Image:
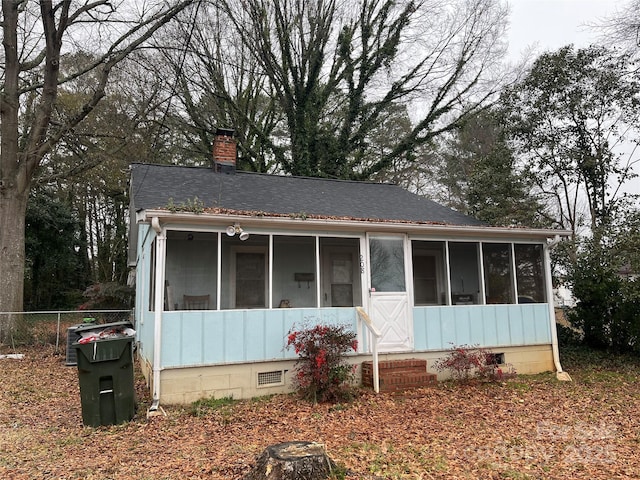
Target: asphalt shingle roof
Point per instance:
(153, 187)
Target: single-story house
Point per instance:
(228, 262)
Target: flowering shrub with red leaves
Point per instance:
(470, 361)
(322, 373)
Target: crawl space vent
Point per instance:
(268, 379)
(495, 359)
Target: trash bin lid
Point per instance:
(102, 326)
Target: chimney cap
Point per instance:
(227, 132)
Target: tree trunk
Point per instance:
(13, 206)
(292, 461)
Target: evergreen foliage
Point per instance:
(54, 274)
(607, 311)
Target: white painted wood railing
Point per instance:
(375, 335)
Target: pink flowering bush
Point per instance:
(465, 362)
(322, 373)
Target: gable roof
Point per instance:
(155, 186)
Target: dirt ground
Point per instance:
(531, 428)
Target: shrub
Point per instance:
(465, 362)
(106, 296)
(322, 373)
(568, 335)
(608, 306)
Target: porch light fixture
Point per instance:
(237, 229)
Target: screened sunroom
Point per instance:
(215, 271)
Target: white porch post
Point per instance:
(447, 270)
(158, 307)
(483, 286)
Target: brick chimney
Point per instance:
(224, 151)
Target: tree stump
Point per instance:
(292, 461)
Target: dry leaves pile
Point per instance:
(530, 428)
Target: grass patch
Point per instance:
(395, 461)
(338, 407)
(607, 377)
(581, 357)
(591, 366)
(514, 474)
(206, 406)
(422, 456)
(339, 473)
(262, 399)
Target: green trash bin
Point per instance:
(105, 374)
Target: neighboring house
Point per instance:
(563, 297)
(626, 272)
(217, 290)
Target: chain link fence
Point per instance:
(50, 328)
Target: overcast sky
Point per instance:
(551, 24)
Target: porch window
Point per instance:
(340, 272)
(498, 272)
(530, 273)
(387, 264)
(245, 272)
(464, 267)
(294, 272)
(428, 273)
(191, 270)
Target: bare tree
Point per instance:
(621, 31)
(214, 81)
(35, 35)
(333, 70)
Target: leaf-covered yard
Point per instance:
(531, 428)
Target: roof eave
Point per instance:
(383, 226)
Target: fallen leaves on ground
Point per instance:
(531, 428)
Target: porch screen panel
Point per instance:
(250, 279)
(498, 274)
(464, 267)
(428, 273)
(245, 272)
(340, 284)
(387, 264)
(191, 270)
(294, 272)
(530, 274)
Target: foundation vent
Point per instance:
(495, 359)
(270, 379)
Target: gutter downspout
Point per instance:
(161, 246)
(560, 374)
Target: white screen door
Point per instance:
(388, 297)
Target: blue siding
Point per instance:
(144, 320)
(438, 328)
(144, 334)
(230, 336)
(213, 337)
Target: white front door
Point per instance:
(389, 307)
